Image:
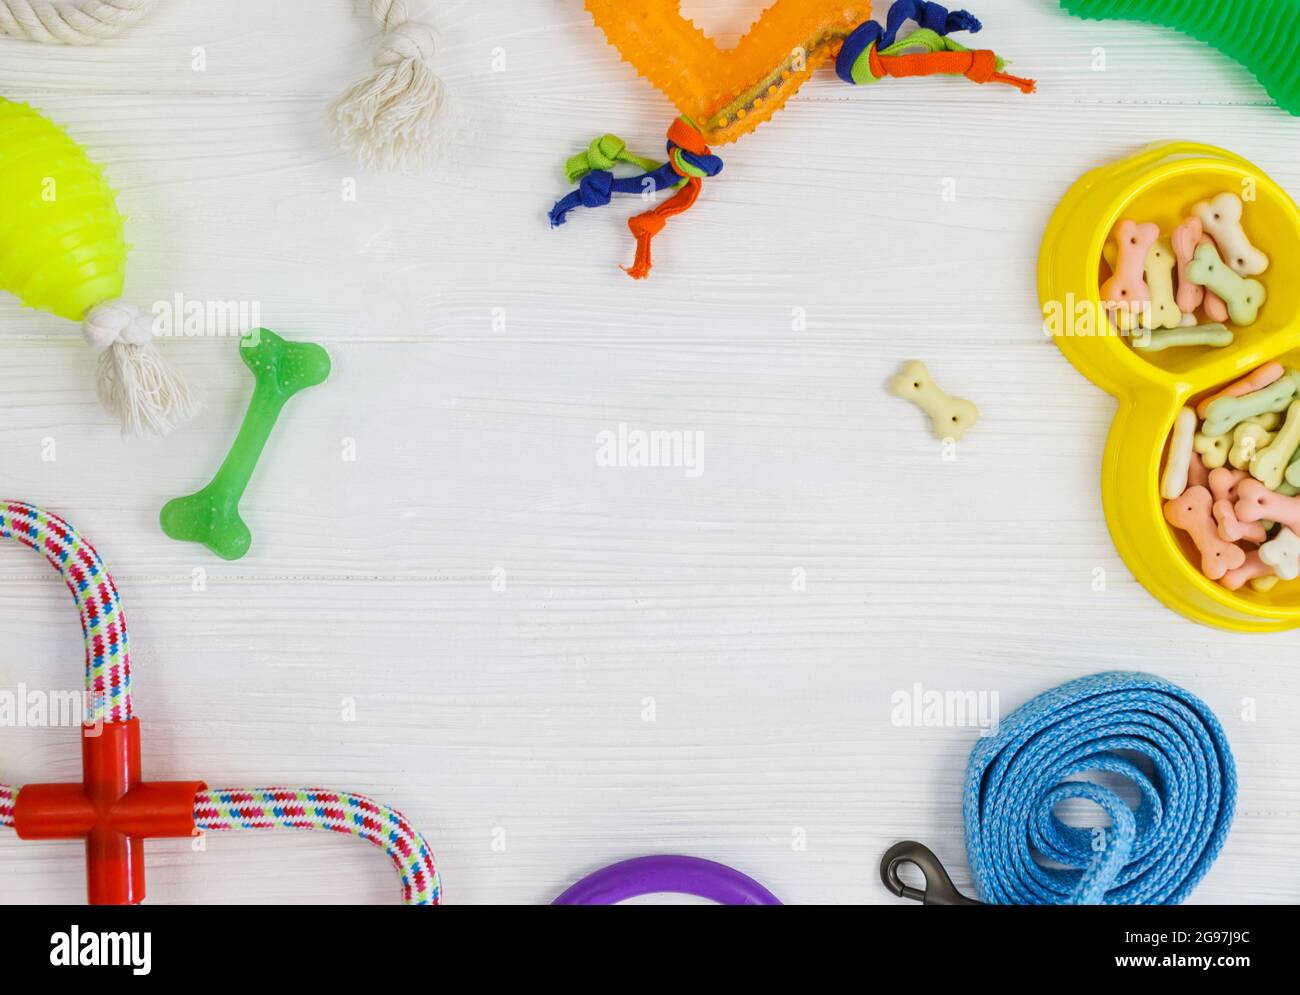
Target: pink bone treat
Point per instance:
(1255, 503)
(1248, 571)
(1197, 474)
(1190, 296)
(1191, 513)
(1127, 285)
(1233, 530)
(1256, 379)
(1223, 483)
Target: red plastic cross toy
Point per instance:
(113, 810)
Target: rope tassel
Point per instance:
(646, 226)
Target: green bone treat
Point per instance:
(211, 517)
(1244, 297)
(1227, 412)
(1257, 33)
(1210, 334)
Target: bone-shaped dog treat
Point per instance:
(1191, 513)
(1282, 553)
(1256, 503)
(1159, 270)
(1226, 412)
(1244, 297)
(1272, 462)
(1182, 441)
(1213, 449)
(1223, 483)
(1254, 569)
(1292, 476)
(1233, 530)
(1214, 335)
(1126, 289)
(1222, 220)
(1190, 296)
(950, 416)
(1256, 379)
(281, 369)
(1197, 473)
(1248, 439)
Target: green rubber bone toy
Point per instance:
(211, 517)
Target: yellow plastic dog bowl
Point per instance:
(1160, 184)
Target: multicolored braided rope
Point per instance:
(228, 809)
(108, 690)
(103, 622)
(7, 805)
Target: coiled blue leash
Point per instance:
(1154, 856)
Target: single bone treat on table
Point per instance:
(949, 416)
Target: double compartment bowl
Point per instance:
(1160, 184)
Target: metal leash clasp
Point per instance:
(938, 890)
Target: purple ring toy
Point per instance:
(663, 875)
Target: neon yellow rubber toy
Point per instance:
(1159, 184)
(62, 251)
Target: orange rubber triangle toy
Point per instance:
(725, 94)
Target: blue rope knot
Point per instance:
(595, 189)
(933, 16)
(1155, 855)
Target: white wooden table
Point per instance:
(555, 664)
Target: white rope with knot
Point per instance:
(387, 120)
(134, 382)
(69, 22)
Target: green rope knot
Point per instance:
(604, 153)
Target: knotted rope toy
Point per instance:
(723, 96)
(1015, 779)
(386, 120)
(62, 250)
(114, 809)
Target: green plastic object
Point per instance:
(1260, 34)
(211, 517)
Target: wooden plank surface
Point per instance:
(478, 355)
